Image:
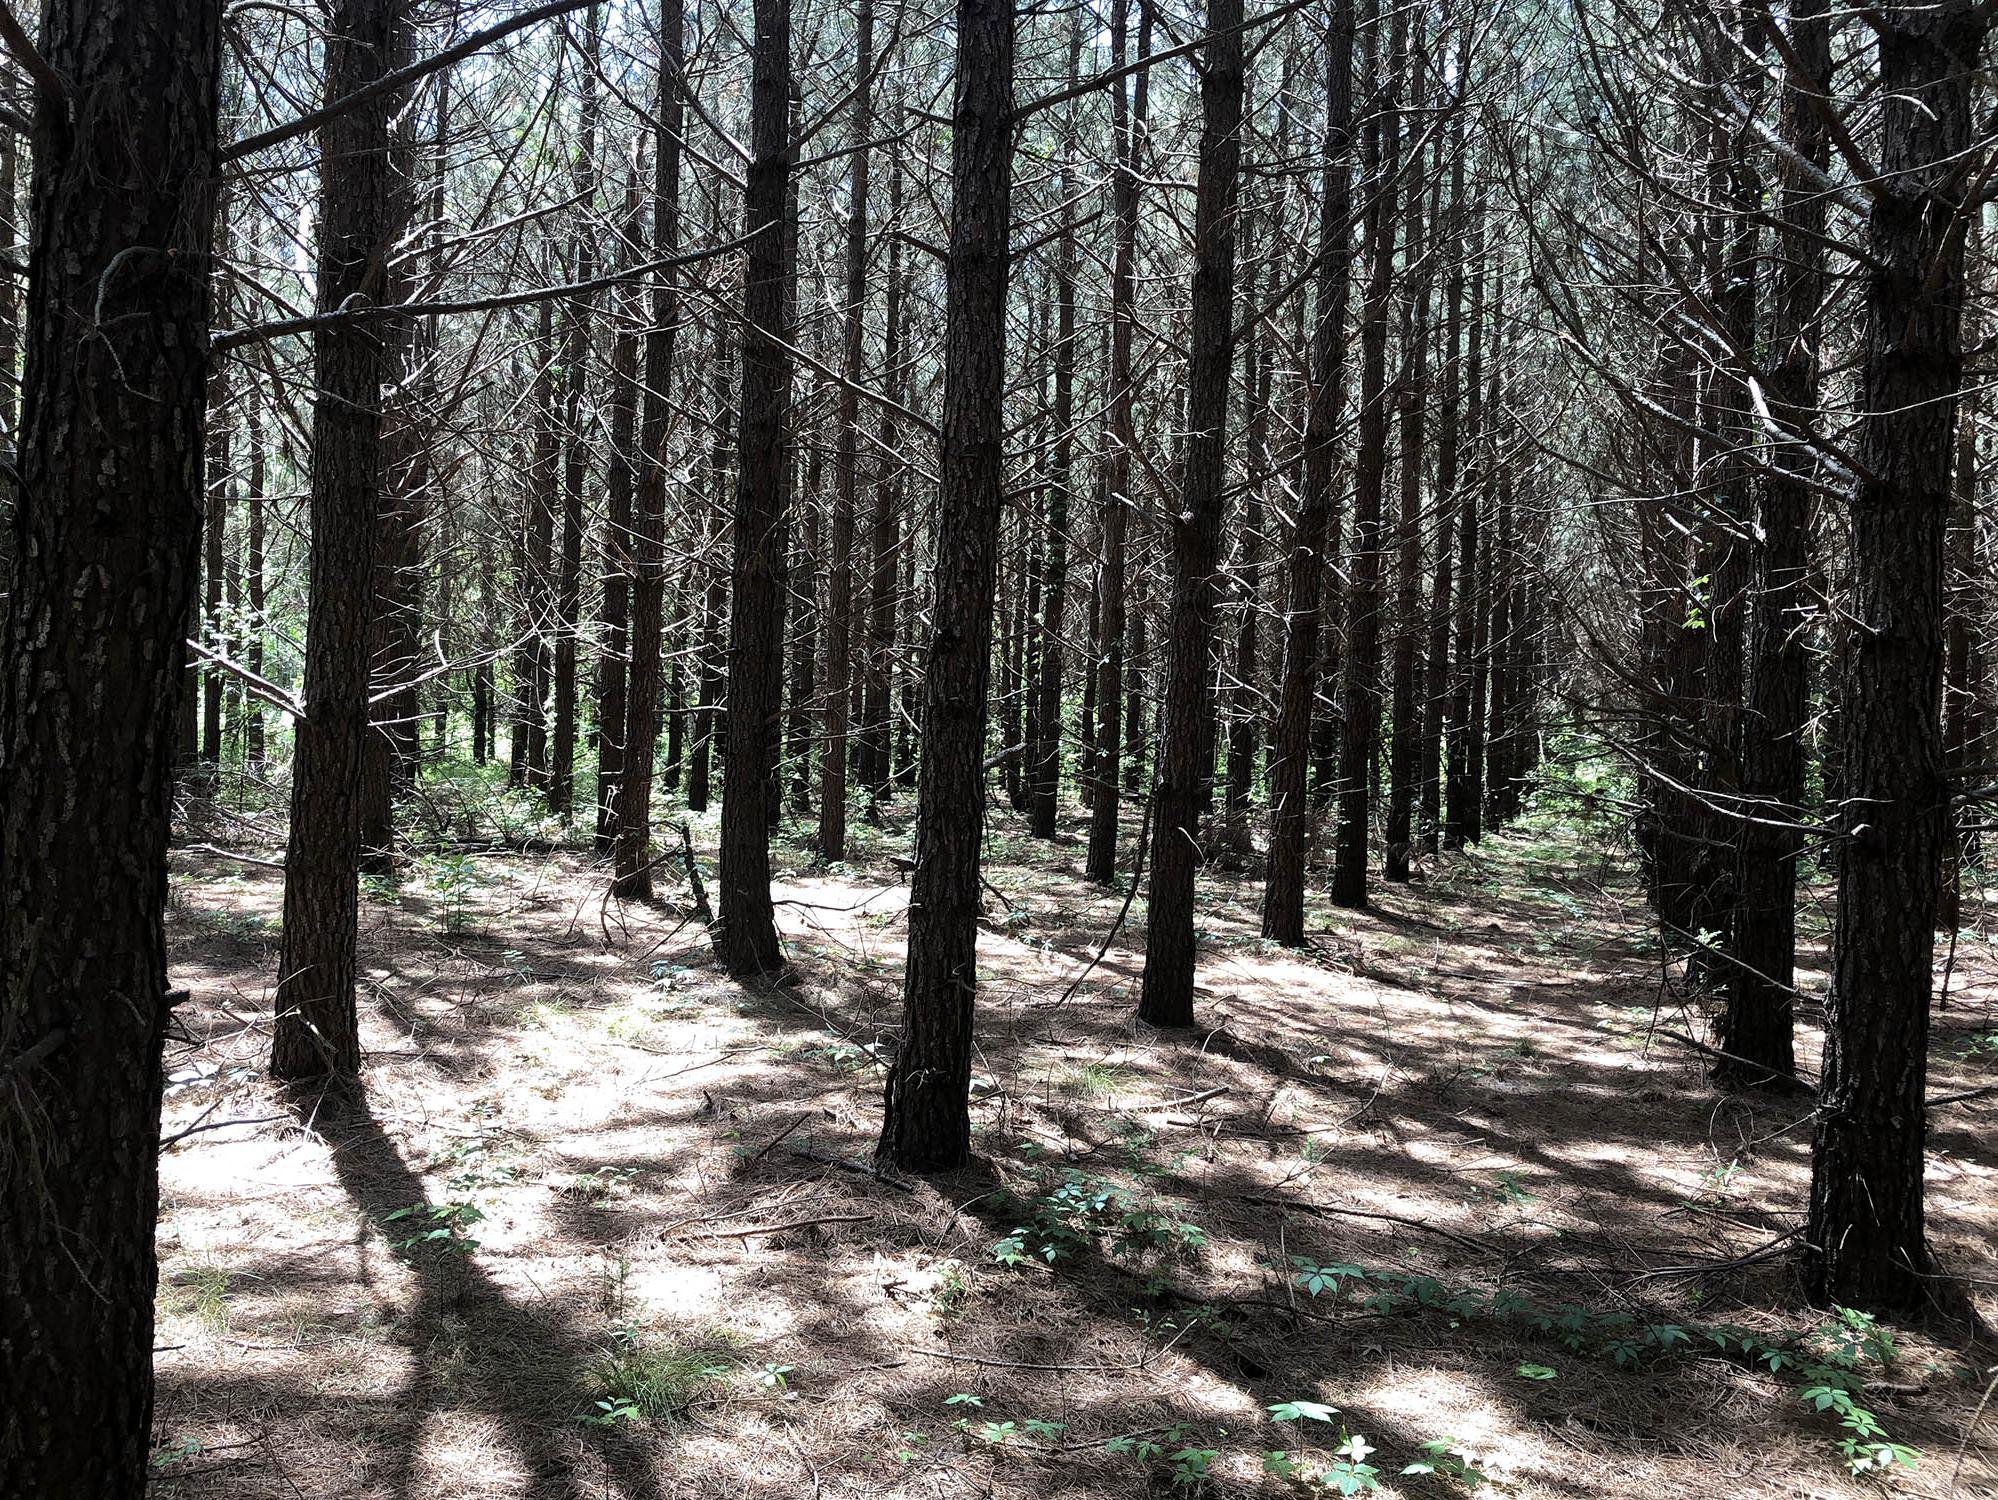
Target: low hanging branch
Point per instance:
(16, 42)
(366, 312)
(259, 687)
(388, 83)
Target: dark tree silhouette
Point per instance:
(106, 535)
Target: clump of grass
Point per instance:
(1099, 1080)
(199, 1293)
(640, 1380)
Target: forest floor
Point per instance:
(603, 1225)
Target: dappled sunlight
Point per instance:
(586, 1152)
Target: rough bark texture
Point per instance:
(1462, 816)
(315, 1030)
(1166, 994)
(1437, 680)
(1044, 754)
(577, 316)
(388, 750)
(884, 528)
(747, 937)
(254, 583)
(846, 467)
(927, 1121)
(1290, 745)
(631, 848)
(617, 754)
(1412, 397)
(105, 538)
(1359, 687)
(1865, 1220)
(1126, 122)
(1757, 1027)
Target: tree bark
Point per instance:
(1758, 1025)
(631, 851)
(107, 534)
(577, 314)
(1412, 397)
(1044, 755)
(1359, 686)
(1127, 124)
(846, 466)
(1166, 993)
(618, 755)
(1297, 693)
(315, 1030)
(1865, 1225)
(255, 581)
(747, 936)
(926, 1120)
(1437, 668)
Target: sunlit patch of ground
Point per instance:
(603, 1225)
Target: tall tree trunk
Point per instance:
(1166, 994)
(106, 534)
(1758, 1025)
(617, 753)
(1135, 687)
(1727, 560)
(712, 647)
(1127, 124)
(800, 602)
(214, 550)
(1359, 688)
(884, 524)
(10, 352)
(1242, 690)
(315, 1030)
(536, 654)
(1437, 684)
(255, 580)
(633, 836)
(1461, 816)
(1413, 398)
(926, 1118)
(1297, 692)
(1044, 755)
(1498, 722)
(747, 938)
(577, 315)
(388, 750)
(1865, 1220)
(846, 470)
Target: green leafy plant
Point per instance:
(1175, 1449)
(173, 1451)
(600, 1184)
(1078, 1212)
(453, 880)
(953, 1288)
(611, 1411)
(1346, 1471)
(776, 1377)
(1826, 1362)
(1448, 1458)
(441, 1226)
